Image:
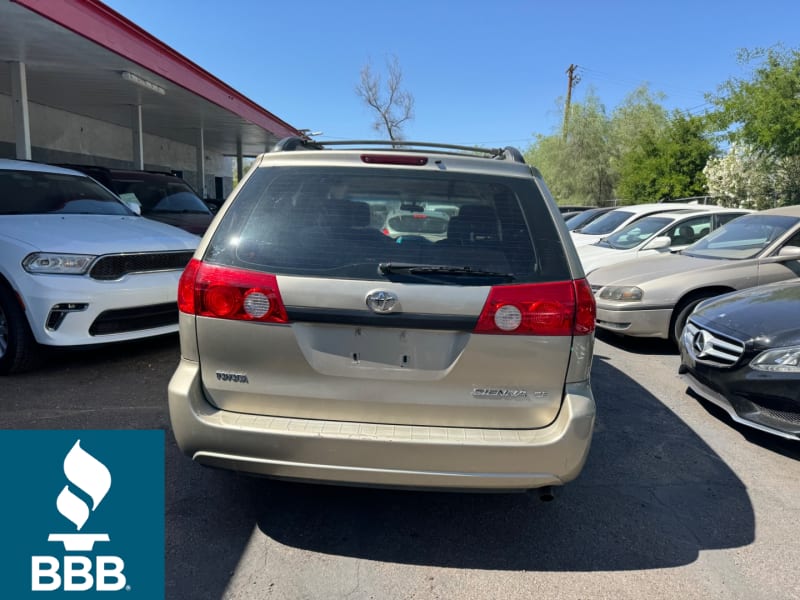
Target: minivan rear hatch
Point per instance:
(307, 308)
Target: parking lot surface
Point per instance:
(675, 501)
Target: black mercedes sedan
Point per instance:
(741, 351)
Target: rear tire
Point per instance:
(18, 348)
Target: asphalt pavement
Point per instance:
(675, 500)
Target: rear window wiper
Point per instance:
(415, 269)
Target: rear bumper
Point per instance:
(391, 455)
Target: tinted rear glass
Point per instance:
(607, 223)
(33, 192)
(157, 194)
(344, 223)
(583, 218)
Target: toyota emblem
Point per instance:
(382, 302)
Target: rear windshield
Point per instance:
(377, 224)
(35, 193)
(607, 223)
(158, 194)
(583, 218)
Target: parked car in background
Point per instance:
(412, 223)
(653, 296)
(618, 218)
(78, 267)
(160, 196)
(655, 234)
(573, 208)
(741, 351)
(585, 217)
(461, 363)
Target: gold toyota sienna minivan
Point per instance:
(319, 344)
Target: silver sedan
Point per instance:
(653, 296)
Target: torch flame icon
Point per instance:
(87, 474)
(92, 477)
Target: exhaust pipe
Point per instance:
(546, 494)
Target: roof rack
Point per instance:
(299, 143)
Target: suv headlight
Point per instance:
(625, 293)
(62, 264)
(780, 360)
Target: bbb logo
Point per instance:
(84, 514)
(79, 572)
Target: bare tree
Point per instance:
(394, 105)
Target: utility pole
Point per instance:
(572, 81)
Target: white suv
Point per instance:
(315, 346)
(79, 267)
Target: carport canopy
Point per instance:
(81, 57)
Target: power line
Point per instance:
(623, 81)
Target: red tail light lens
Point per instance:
(558, 308)
(586, 313)
(227, 293)
(186, 287)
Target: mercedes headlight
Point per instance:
(623, 293)
(780, 360)
(57, 264)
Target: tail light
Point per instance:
(227, 293)
(558, 308)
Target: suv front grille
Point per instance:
(711, 348)
(135, 319)
(114, 266)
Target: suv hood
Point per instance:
(766, 313)
(95, 234)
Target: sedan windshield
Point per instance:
(742, 238)
(607, 223)
(636, 233)
(36, 193)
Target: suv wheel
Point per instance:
(18, 349)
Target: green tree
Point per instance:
(578, 169)
(640, 116)
(763, 112)
(667, 162)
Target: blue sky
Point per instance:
(489, 73)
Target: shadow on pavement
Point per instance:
(652, 495)
(641, 346)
